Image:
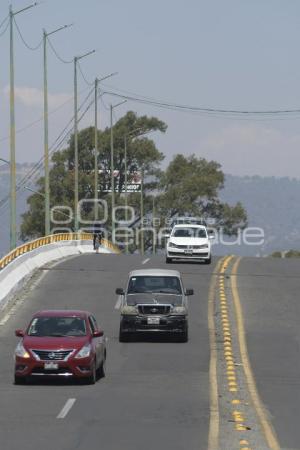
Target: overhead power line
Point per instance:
(89, 83)
(24, 41)
(40, 119)
(65, 61)
(4, 20)
(200, 109)
(34, 172)
(6, 27)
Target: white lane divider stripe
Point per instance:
(66, 408)
(146, 260)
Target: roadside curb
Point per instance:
(19, 271)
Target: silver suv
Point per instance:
(154, 301)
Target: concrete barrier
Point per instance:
(17, 272)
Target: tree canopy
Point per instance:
(189, 185)
(141, 153)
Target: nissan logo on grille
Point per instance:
(51, 355)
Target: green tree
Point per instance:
(276, 254)
(292, 254)
(141, 152)
(191, 185)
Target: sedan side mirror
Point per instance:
(98, 333)
(189, 292)
(19, 333)
(120, 291)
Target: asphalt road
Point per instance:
(270, 294)
(155, 394)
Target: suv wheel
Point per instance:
(101, 370)
(123, 335)
(168, 260)
(184, 336)
(93, 377)
(208, 261)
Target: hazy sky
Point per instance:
(235, 54)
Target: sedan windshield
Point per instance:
(164, 285)
(189, 232)
(57, 326)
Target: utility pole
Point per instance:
(76, 195)
(46, 140)
(126, 189)
(126, 177)
(96, 150)
(138, 132)
(112, 179)
(13, 202)
(96, 182)
(75, 148)
(142, 211)
(153, 225)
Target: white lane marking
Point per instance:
(66, 408)
(146, 260)
(119, 302)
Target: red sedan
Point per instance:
(60, 343)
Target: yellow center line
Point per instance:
(258, 405)
(213, 433)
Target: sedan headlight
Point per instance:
(84, 352)
(180, 310)
(21, 351)
(129, 310)
(171, 244)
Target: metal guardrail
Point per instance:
(40, 242)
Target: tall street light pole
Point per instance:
(126, 175)
(153, 225)
(112, 180)
(13, 203)
(76, 196)
(97, 81)
(96, 150)
(46, 141)
(142, 210)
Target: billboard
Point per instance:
(134, 181)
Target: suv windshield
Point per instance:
(164, 285)
(57, 326)
(189, 220)
(190, 232)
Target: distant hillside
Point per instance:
(271, 203)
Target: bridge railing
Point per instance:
(53, 238)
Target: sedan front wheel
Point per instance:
(93, 377)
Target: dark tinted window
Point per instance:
(93, 324)
(57, 326)
(190, 232)
(167, 285)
